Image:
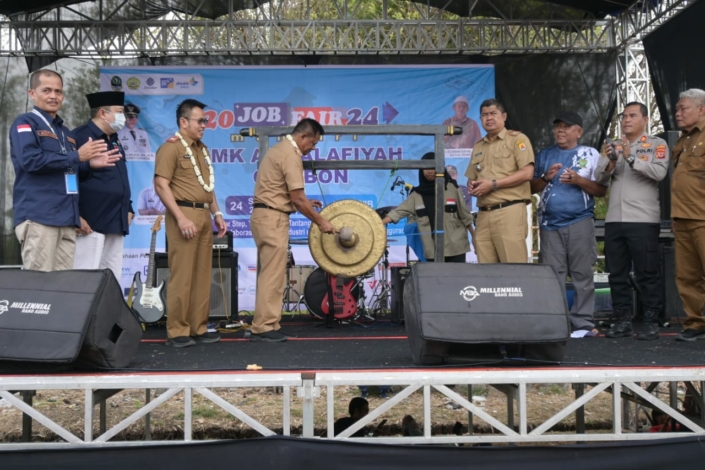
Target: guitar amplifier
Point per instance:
(223, 244)
(224, 302)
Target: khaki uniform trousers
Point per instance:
(500, 236)
(270, 229)
(188, 294)
(690, 269)
(46, 248)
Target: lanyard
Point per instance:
(63, 138)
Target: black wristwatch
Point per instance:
(630, 160)
(543, 178)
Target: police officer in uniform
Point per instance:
(279, 192)
(184, 180)
(688, 210)
(421, 205)
(46, 162)
(635, 166)
(135, 141)
(105, 205)
(498, 176)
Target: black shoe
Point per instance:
(649, 333)
(690, 335)
(180, 342)
(268, 337)
(621, 329)
(206, 338)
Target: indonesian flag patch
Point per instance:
(24, 128)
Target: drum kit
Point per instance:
(335, 289)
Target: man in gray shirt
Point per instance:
(635, 164)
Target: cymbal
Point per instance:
(298, 241)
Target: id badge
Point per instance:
(71, 183)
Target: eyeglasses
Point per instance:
(201, 122)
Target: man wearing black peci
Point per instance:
(105, 204)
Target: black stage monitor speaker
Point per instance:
(483, 312)
(399, 275)
(223, 282)
(66, 316)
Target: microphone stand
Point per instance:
(407, 190)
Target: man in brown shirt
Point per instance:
(279, 191)
(498, 176)
(184, 180)
(688, 210)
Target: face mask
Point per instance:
(119, 122)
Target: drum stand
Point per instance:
(286, 303)
(363, 313)
(382, 292)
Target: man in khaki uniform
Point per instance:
(688, 210)
(498, 176)
(279, 192)
(184, 180)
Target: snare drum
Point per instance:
(315, 292)
(297, 281)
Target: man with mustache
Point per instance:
(46, 161)
(498, 176)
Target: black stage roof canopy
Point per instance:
(507, 9)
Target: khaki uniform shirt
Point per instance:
(280, 172)
(455, 236)
(687, 188)
(493, 160)
(634, 190)
(173, 163)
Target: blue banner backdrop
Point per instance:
(239, 97)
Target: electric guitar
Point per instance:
(344, 302)
(148, 302)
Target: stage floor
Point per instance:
(379, 345)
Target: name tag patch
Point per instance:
(47, 134)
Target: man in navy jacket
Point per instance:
(46, 161)
(104, 205)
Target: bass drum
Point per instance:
(315, 291)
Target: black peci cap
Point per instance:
(105, 98)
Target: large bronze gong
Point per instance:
(359, 245)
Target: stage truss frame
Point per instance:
(105, 32)
(635, 384)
